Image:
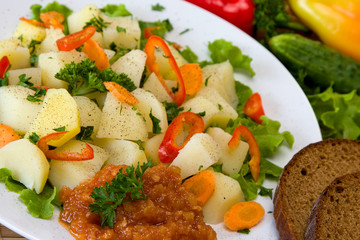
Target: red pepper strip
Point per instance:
(254, 163)
(76, 39)
(238, 12)
(151, 45)
(86, 153)
(169, 149)
(4, 66)
(253, 108)
(148, 31)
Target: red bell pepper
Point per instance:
(169, 147)
(238, 12)
(76, 39)
(86, 153)
(254, 163)
(253, 108)
(153, 43)
(4, 66)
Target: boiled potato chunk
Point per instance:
(151, 147)
(132, 64)
(147, 104)
(231, 159)
(18, 55)
(77, 20)
(59, 109)
(227, 193)
(200, 104)
(221, 77)
(29, 32)
(51, 63)
(49, 43)
(154, 86)
(123, 31)
(33, 73)
(89, 113)
(72, 173)
(199, 153)
(27, 163)
(15, 110)
(121, 121)
(123, 152)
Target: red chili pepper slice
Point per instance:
(76, 39)
(153, 43)
(254, 163)
(86, 153)
(169, 148)
(33, 22)
(4, 66)
(253, 108)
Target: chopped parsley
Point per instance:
(157, 7)
(120, 29)
(155, 123)
(185, 31)
(34, 138)
(244, 231)
(85, 133)
(59, 129)
(107, 198)
(201, 114)
(39, 92)
(98, 23)
(172, 110)
(140, 145)
(265, 192)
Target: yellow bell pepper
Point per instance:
(336, 22)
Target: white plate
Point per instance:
(282, 97)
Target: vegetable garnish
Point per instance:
(76, 39)
(125, 187)
(96, 53)
(53, 18)
(192, 77)
(33, 22)
(202, 185)
(169, 147)
(4, 66)
(254, 163)
(150, 47)
(7, 135)
(86, 153)
(148, 31)
(244, 215)
(121, 93)
(253, 108)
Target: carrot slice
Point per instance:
(202, 185)
(192, 77)
(96, 53)
(33, 22)
(53, 18)
(7, 135)
(121, 93)
(244, 215)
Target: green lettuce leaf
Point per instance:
(338, 114)
(113, 10)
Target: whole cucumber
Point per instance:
(324, 65)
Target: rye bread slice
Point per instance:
(305, 177)
(336, 212)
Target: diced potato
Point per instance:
(15, 110)
(199, 153)
(121, 121)
(220, 76)
(123, 152)
(200, 104)
(123, 31)
(72, 173)
(132, 64)
(151, 147)
(89, 113)
(153, 85)
(231, 159)
(49, 43)
(51, 63)
(225, 110)
(29, 32)
(18, 55)
(77, 20)
(149, 103)
(26, 162)
(59, 109)
(109, 53)
(227, 193)
(34, 73)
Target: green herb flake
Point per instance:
(185, 31)
(218, 167)
(155, 122)
(139, 142)
(201, 114)
(244, 231)
(85, 133)
(157, 7)
(266, 192)
(200, 167)
(34, 138)
(59, 129)
(32, 46)
(98, 23)
(120, 29)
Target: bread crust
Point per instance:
(312, 159)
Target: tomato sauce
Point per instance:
(169, 212)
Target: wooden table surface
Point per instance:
(7, 234)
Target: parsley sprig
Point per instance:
(107, 198)
(85, 78)
(98, 23)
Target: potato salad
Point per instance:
(96, 87)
